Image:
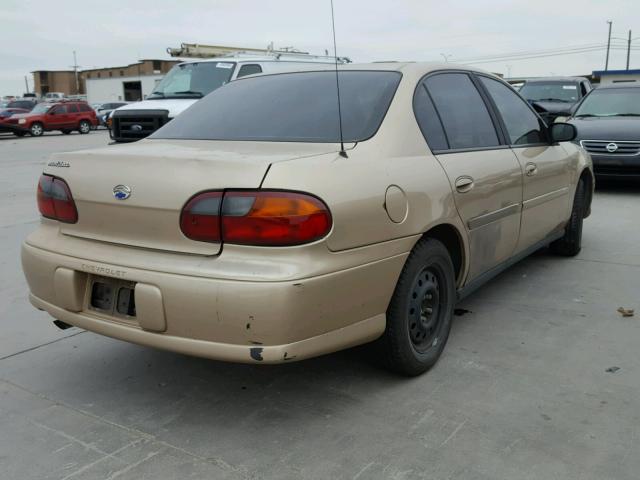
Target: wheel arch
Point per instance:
(588, 177)
(452, 239)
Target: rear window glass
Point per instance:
(293, 107)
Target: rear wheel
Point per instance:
(36, 129)
(84, 127)
(421, 309)
(571, 243)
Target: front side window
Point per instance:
(523, 126)
(250, 69)
(193, 80)
(464, 115)
(72, 108)
(59, 109)
(290, 107)
(611, 102)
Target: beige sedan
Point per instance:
(262, 226)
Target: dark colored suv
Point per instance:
(63, 116)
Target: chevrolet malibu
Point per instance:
(267, 225)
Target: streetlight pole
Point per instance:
(628, 49)
(606, 64)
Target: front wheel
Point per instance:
(571, 243)
(421, 310)
(36, 129)
(84, 127)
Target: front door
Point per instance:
(57, 118)
(485, 175)
(546, 193)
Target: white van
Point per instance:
(188, 82)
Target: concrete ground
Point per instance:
(540, 379)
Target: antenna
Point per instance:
(343, 153)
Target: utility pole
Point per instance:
(606, 64)
(628, 49)
(75, 71)
(26, 83)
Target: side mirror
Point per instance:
(562, 132)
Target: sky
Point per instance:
(42, 34)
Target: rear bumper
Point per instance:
(238, 321)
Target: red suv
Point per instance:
(63, 116)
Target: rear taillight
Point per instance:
(265, 218)
(200, 218)
(55, 200)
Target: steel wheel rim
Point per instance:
(84, 127)
(36, 129)
(427, 309)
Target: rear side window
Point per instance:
(290, 107)
(523, 126)
(72, 108)
(84, 108)
(249, 70)
(59, 109)
(464, 115)
(428, 120)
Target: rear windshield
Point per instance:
(550, 92)
(293, 107)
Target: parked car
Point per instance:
(259, 226)
(608, 124)
(63, 116)
(104, 110)
(5, 114)
(555, 96)
(188, 82)
(25, 104)
(54, 96)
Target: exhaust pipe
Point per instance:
(61, 325)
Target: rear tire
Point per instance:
(84, 127)
(36, 129)
(571, 243)
(420, 313)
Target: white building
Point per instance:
(609, 77)
(120, 89)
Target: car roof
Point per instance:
(414, 70)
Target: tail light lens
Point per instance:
(264, 218)
(55, 200)
(200, 218)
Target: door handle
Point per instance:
(464, 184)
(531, 169)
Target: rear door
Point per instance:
(547, 168)
(485, 175)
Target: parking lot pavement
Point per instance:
(521, 392)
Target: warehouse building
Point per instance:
(129, 82)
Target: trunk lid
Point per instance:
(161, 176)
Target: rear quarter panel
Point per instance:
(355, 188)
